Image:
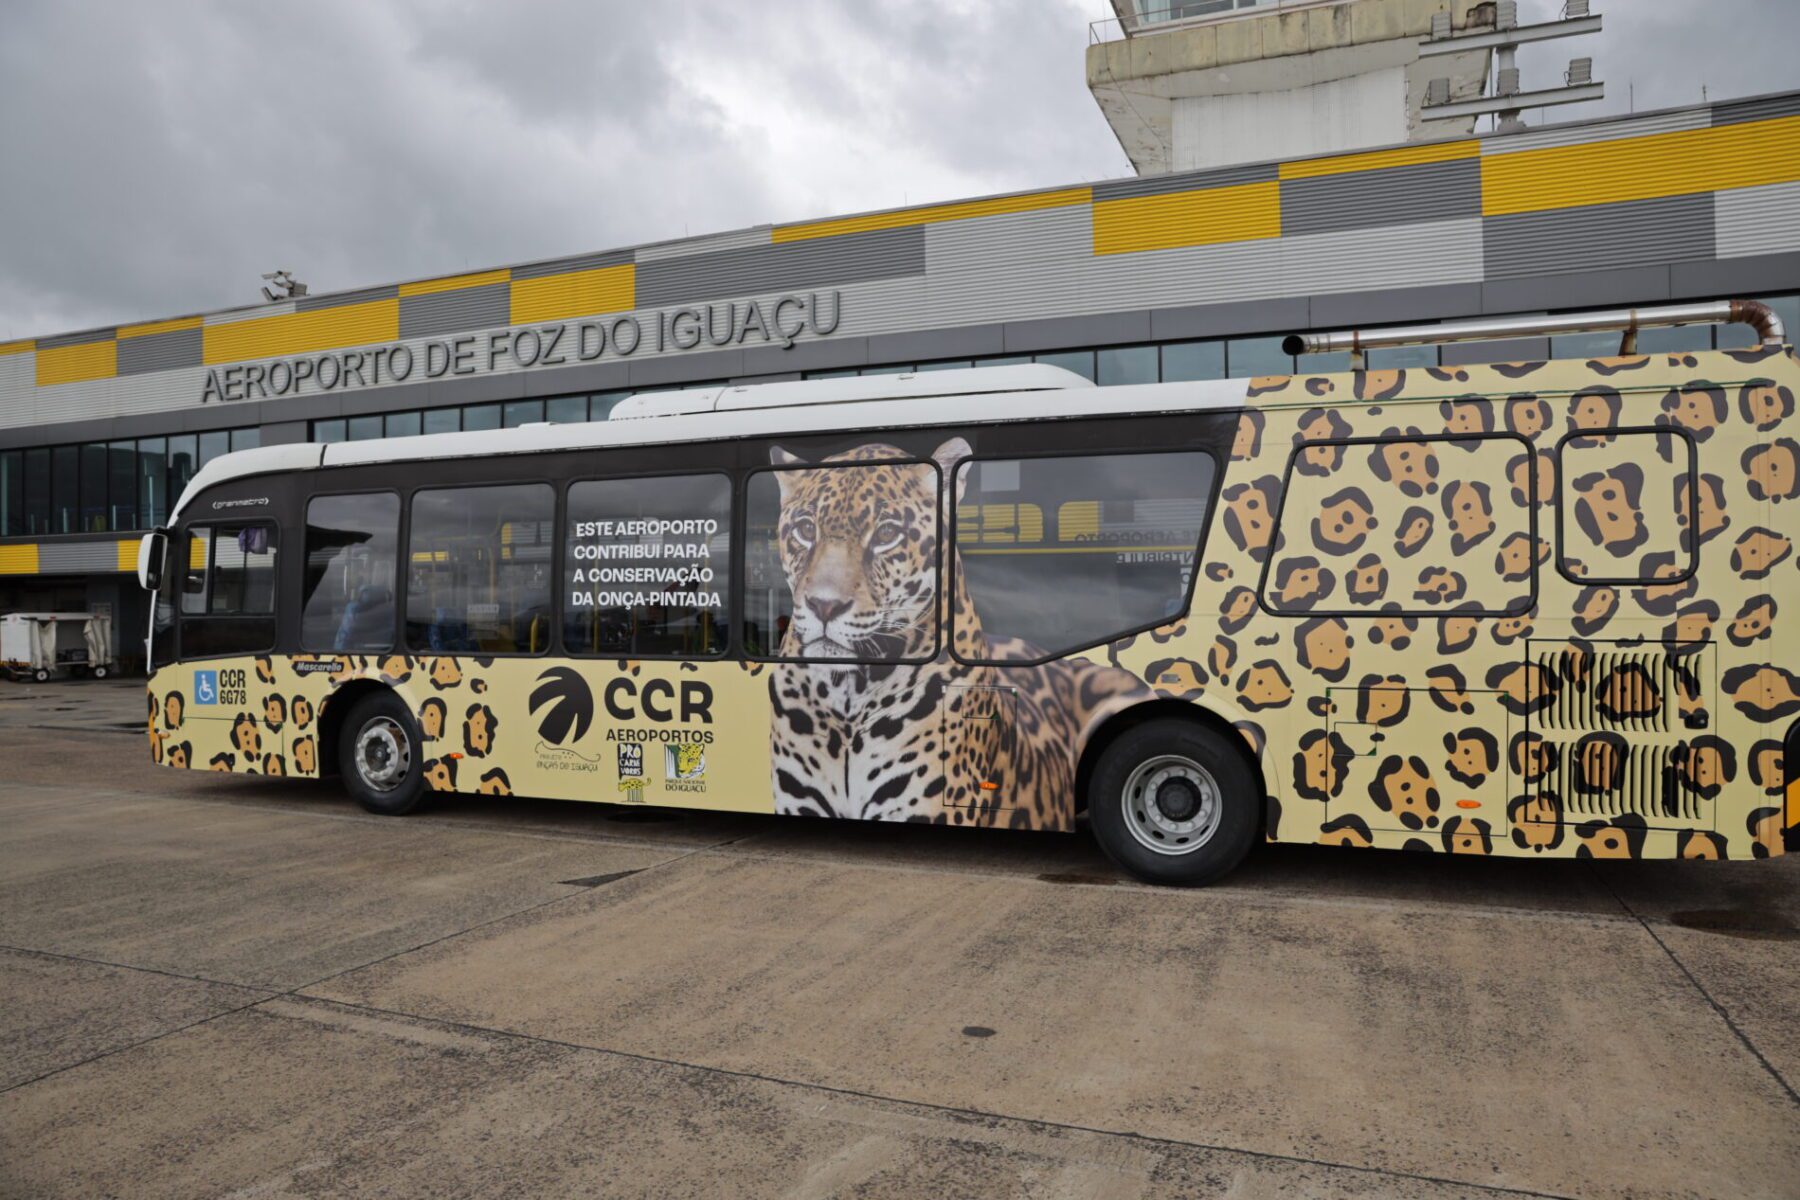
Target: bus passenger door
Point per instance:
(212, 705)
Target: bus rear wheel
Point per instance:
(1174, 802)
(379, 756)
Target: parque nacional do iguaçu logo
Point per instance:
(567, 705)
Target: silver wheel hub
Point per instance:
(1171, 804)
(383, 754)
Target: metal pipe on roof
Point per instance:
(1627, 321)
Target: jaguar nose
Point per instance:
(827, 607)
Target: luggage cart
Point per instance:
(38, 645)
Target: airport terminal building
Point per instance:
(1181, 275)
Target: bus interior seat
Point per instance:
(368, 620)
(449, 633)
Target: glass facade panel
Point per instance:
(1245, 357)
(1674, 339)
(890, 369)
(153, 481)
(214, 444)
(478, 569)
(246, 439)
(1079, 361)
(1183, 361)
(566, 410)
(402, 424)
(184, 460)
(12, 493)
(1062, 553)
(843, 374)
(352, 545)
(481, 416)
(1733, 337)
(1389, 358)
(327, 432)
(1584, 345)
(601, 404)
(1322, 364)
(957, 364)
(1003, 360)
(522, 412)
(363, 429)
(93, 488)
(647, 566)
(122, 486)
(37, 491)
(1127, 364)
(441, 420)
(62, 484)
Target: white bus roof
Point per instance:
(1020, 393)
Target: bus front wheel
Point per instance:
(1174, 802)
(379, 756)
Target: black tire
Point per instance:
(40, 675)
(99, 672)
(1193, 848)
(381, 711)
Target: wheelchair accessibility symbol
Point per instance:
(206, 687)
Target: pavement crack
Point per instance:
(269, 989)
(144, 1041)
(1724, 1014)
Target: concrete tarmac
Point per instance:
(224, 986)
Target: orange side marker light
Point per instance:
(1459, 803)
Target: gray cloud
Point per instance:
(159, 157)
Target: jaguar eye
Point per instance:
(888, 534)
(804, 532)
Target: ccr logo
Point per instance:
(568, 705)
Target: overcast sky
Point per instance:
(160, 155)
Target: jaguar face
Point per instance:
(860, 551)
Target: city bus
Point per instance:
(1526, 608)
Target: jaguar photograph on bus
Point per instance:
(1525, 608)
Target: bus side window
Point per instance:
(1405, 524)
(1061, 553)
(193, 573)
(646, 566)
(1628, 501)
(352, 545)
(478, 569)
(228, 590)
(841, 562)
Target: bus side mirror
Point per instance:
(152, 549)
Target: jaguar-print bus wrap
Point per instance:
(1530, 608)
